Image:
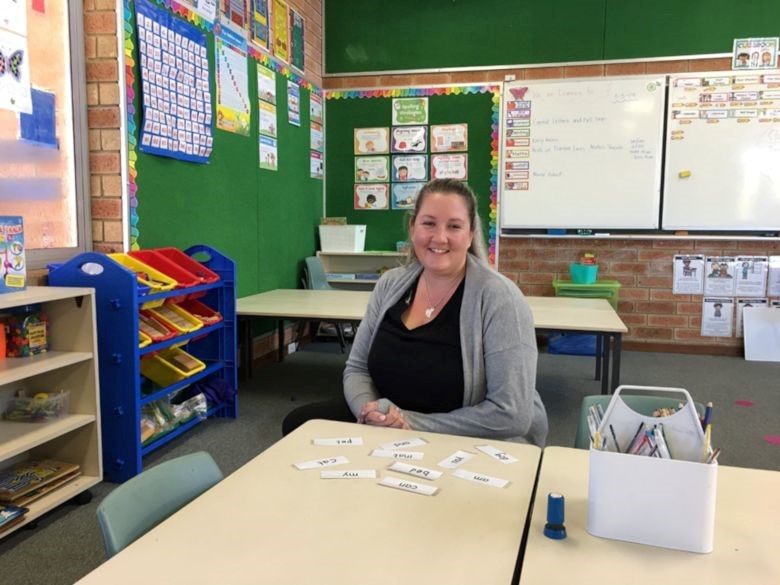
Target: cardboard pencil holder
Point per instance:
(648, 500)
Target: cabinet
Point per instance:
(357, 270)
(70, 364)
(118, 303)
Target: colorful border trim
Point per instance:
(132, 142)
(449, 90)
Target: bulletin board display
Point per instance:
(346, 114)
(230, 203)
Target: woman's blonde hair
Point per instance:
(451, 187)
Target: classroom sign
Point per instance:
(449, 138)
(266, 84)
(371, 197)
(259, 26)
(413, 167)
(233, 113)
(405, 195)
(409, 139)
(410, 111)
(371, 169)
(449, 166)
(371, 141)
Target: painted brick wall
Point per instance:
(104, 116)
(656, 318)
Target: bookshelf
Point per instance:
(357, 270)
(70, 364)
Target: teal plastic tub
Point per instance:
(583, 273)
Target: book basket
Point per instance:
(648, 500)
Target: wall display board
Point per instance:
(231, 204)
(723, 151)
(354, 111)
(582, 154)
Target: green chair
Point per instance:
(642, 404)
(142, 502)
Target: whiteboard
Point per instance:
(582, 154)
(723, 152)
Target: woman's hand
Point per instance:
(371, 415)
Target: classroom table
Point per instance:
(550, 314)
(745, 551)
(269, 522)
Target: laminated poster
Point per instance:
(267, 119)
(279, 32)
(268, 153)
(233, 113)
(315, 108)
(410, 139)
(232, 15)
(773, 286)
(259, 26)
(293, 103)
(717, 317)
(741, 305)
(266, 84)
(371, 169)
(412, 167)
(450, 166)
(450, 138)
(175, 87)
(751, 275)
(317, 168)
(719, 276)
(15, 78)
(317, 140)
(206, 9)
(371, 141)
(371, 197)
(688, 275)
(13, 16)
(405, 195)
(410, 111)
(756, 53)
(297, 56)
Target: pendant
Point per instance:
(429, 311)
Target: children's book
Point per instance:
(45, 489)
(13, 272)
(26, 477)
(10, 516)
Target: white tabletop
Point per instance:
(271, 523)
(346, 305)
(747, 515)
(549, 312)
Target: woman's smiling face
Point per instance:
(442, 233)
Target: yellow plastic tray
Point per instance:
(160, 370)
(143, 339)
(193, 322)
(151, 277)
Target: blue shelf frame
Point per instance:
(118, 300)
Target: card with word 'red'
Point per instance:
(14, 269)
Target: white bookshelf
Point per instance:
(70, 364)
(351, 270)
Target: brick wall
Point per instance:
(656, 319)
(105, 124)
(104, 116)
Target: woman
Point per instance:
(447, 344)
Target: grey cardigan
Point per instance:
(498, 346)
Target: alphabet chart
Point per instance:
(175, 84)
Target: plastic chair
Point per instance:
(142, 502)
(316, 280)
(642, 404)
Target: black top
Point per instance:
(420, 369)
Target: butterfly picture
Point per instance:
(12, 64)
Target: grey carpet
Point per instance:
(66, 544)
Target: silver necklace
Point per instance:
(432, 306)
